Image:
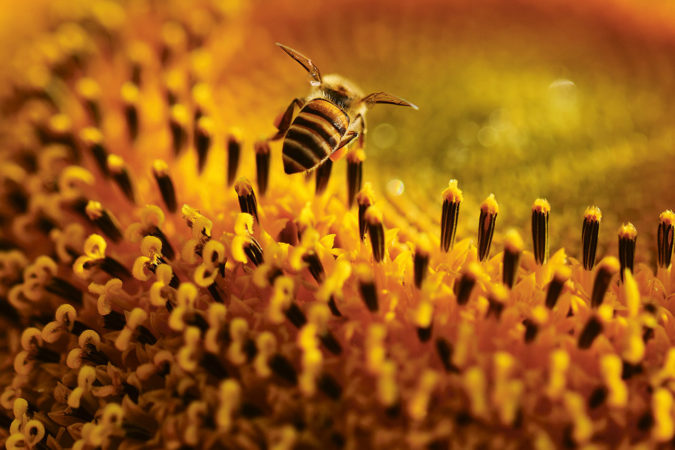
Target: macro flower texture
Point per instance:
(186, 261)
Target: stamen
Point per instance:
(355, 161)
(365, 198)
(444, 350)
(424, 320)
(555, 287)
(323, 176)
(203, 137)
(513, 248)
(254, 251)
(90, 93)
(421, 260)
(233, 153)
(665, 238)
(367, 287)
(531, 330)
(64, 289)
(120, 174)
(627, 240)
(329, 386)
(540, 213)
(497, 297)
(104, 220)
(161, 172)
(373, 218)
(130, 96)
(464, 286)
(591, 330)
(314, 265)
(262, 165)
(295, 315)
(247, 200)
(92, 139)
(589, 235)
(452, 199)
(283, 368)
(178, 122)
(486, 226)
(606, 270)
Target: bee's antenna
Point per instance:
(304, 61)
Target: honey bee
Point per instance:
(330, 118)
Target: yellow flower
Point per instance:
(152, 296)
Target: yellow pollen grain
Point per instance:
(490, 205)
(593, 214)
(373, 215)
(452, 193)
(628, 231)
(541, 205)
(129, 93)
(667, 217)
(609, 264)
(513, 242)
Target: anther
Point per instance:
(665, 238)
(606, 270)
(367, 287)
(262, 165)
(627, 240)
(355, 161)
(421, 260)
(160, 170)
(373, 218)
(178, 121)
(323, 176)
(120, 174)
(486, 226)
(591, 330)
(555, 287)
(92, 138)
(464, 286)
(233, 153)
(104, 220)
(203, 138)
(513, 248)
(452, 199)
(540, 212)
(130, 96)
(365, 198)
(589, 235)
(247, 200)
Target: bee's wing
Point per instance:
(383, 97)
(304, 62)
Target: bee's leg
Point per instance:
(283, 122)
(342, 146)
(362, 133)
(341, 149)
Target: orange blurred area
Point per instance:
(561, 100)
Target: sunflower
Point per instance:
(164, 284)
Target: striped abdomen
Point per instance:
(314, 134)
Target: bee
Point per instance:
(329, 118)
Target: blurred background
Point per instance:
(570, 101)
